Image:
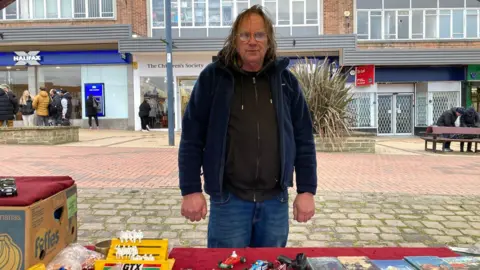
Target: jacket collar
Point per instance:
(278, 65)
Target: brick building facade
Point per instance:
(423, 52)
(127, 12)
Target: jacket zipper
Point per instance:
(258, 137)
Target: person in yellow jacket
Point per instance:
(40, 104)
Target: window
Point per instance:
(227, 13)
(375, 24)
(66, 78)
(214, 12)
(57, 9)
(200, 10)
(472, 23)
(16, 77)
(362, 24)
(417, 24)
(361, 109)
(222, 13)
(271, 8)
(298, 12)
(186, 7)
(283, 12)
(425, 19)
(154, 91)
(158, 13)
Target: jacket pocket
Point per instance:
(222, 199)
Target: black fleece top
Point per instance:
(252, 168)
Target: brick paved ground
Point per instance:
(419, 200)
(154, 168)
(342, 219)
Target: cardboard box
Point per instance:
(36, 233)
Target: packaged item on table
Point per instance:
(75, 257)
(428, 262)
(357, 262)
(38, 266)
(324, 263)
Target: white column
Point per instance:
(137, 98)
(32, 81)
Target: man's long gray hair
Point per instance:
(229, 52)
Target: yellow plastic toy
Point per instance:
(38, 266)
(158, 248)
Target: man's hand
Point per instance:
(304, 207)
(194, 206)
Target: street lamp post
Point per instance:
(170, 94)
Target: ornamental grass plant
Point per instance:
(328, 97)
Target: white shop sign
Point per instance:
(183, 65)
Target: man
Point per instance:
(8, 106)
(469, 119)
(248, 127)
(55, 109)
(448, 119)
(66, 108)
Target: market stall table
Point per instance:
(207, 258)
(32, 189)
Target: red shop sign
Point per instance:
(364, 75)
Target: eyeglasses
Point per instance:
(258, 36)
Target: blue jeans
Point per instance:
(235, 223)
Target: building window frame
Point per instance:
(74, 14)
(235, 11)
(469, 14)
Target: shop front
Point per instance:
(403, 100)
(103, 74)
(472, 85)
(150, 83)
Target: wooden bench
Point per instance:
(434, 135)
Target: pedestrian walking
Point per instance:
(144, 113)
(91, 105)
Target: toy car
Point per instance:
(231, 261)
(8, 187)
(261, 265)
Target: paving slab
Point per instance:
(342, 218)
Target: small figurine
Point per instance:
(133, 236)
(140, 236)
(231, 261)
(124, 236)
(118, 251)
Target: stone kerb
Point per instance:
(357, 142)
(39, 135)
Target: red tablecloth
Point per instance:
(203, 258)
(33, 189)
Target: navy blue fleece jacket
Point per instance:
(205, 123)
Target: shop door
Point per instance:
(185, 87)
(395, 114)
